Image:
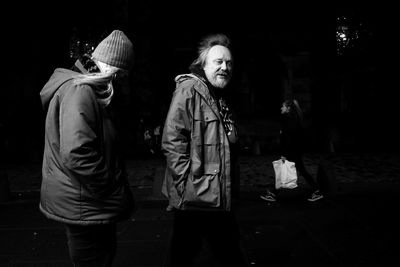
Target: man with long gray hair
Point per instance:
(198, 141)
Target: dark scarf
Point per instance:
(223, 108)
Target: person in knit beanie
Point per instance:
(84, 183)
(115, 50)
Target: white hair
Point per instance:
(101, 81)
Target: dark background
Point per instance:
(280, 51)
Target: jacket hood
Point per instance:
(183, 77)
(57, 79)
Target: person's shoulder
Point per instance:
(79, 93)
(185, 80)
(185, 77)
(185, 84)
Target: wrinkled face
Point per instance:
(218, 66)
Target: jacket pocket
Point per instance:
(205, 142)
(204, 191)
(206, 125)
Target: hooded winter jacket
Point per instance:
(84, 181)
(198, 173)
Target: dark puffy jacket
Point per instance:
(84, 181)
(198, 174)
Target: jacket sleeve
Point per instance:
(80, 145)
(177, 136)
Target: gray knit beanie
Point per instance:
(115, 50)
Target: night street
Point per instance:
(355, 227)
(99, 96)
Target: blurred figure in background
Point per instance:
(292, 146)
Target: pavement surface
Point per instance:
(355, 225)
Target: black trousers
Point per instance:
(92, 245)
(217, 229)
(301, 169)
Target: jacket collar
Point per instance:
(202, 87)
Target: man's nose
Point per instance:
(223, 65)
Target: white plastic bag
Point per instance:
(285, 174)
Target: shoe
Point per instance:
(316, 196)
(269, 197)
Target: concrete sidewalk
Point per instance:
(358, 229)
(351, 170)
(355, 227)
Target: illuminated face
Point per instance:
(218, 66)
(285, 109)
